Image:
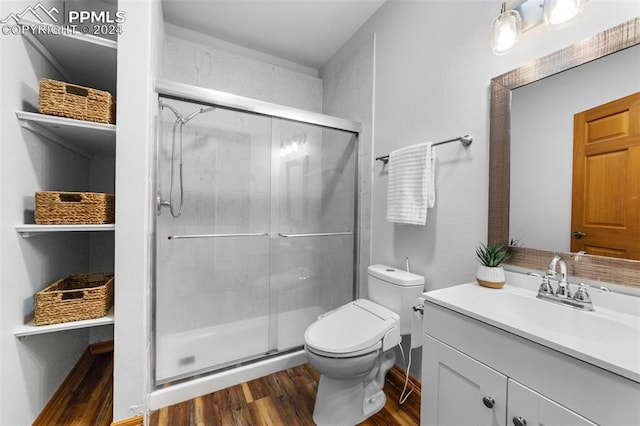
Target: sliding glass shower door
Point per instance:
(254, 235)
(312, 249)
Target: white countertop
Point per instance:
(608, 337)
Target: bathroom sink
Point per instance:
(604, 325)
(604, 337)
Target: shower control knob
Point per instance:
(488, 402)
(519, 421)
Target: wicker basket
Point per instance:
(74, 298)
(79, 208)
(69, 100)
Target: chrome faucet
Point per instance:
(562, 295)
(563, 287)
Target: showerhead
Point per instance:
(182, 120)
(194, 113)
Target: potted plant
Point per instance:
(490, 272)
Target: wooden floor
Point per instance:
(85, 398)
(285, 398)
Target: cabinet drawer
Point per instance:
(538, 410)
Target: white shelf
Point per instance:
(83, 137)
(80, 58)
(30, 329)
(32, 230)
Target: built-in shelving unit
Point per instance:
(82, 137)
(85, 60)
(29, 230)
(30, 329)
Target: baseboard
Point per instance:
(133, 421)
(397, 377)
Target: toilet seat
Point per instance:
(357, 328)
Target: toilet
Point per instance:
(352, 347)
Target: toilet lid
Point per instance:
(352, 327)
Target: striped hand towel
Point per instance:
(411, 184)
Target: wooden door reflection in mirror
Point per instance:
(605, 218)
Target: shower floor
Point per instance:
(192, 352)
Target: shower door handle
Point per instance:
(317, 234)
(247, 234)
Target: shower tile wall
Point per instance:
(201, 65)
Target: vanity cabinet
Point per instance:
(475, 373)
(459, 390)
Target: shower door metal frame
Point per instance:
(187, 92)
(216, 98)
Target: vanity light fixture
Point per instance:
(507, 27)
(505, 30)
(558, 13)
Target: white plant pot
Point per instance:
(492, 277)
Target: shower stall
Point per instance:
(255, 233)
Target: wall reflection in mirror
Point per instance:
(542, 129)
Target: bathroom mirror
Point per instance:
(542, 146)
(606, 43)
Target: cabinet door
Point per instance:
(526, 405)
(458, 390)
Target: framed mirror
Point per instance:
(614, 40)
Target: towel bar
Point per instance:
(464, 140)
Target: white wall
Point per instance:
(431, 83)
(433, 64)
(139, 61)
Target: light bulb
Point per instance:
(287, 149)
(294, 146)
(557, 13)
(504, 31)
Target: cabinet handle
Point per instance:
(488, 402)
(519, 421)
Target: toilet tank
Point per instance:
(395, 289)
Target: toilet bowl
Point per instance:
(352, 347)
